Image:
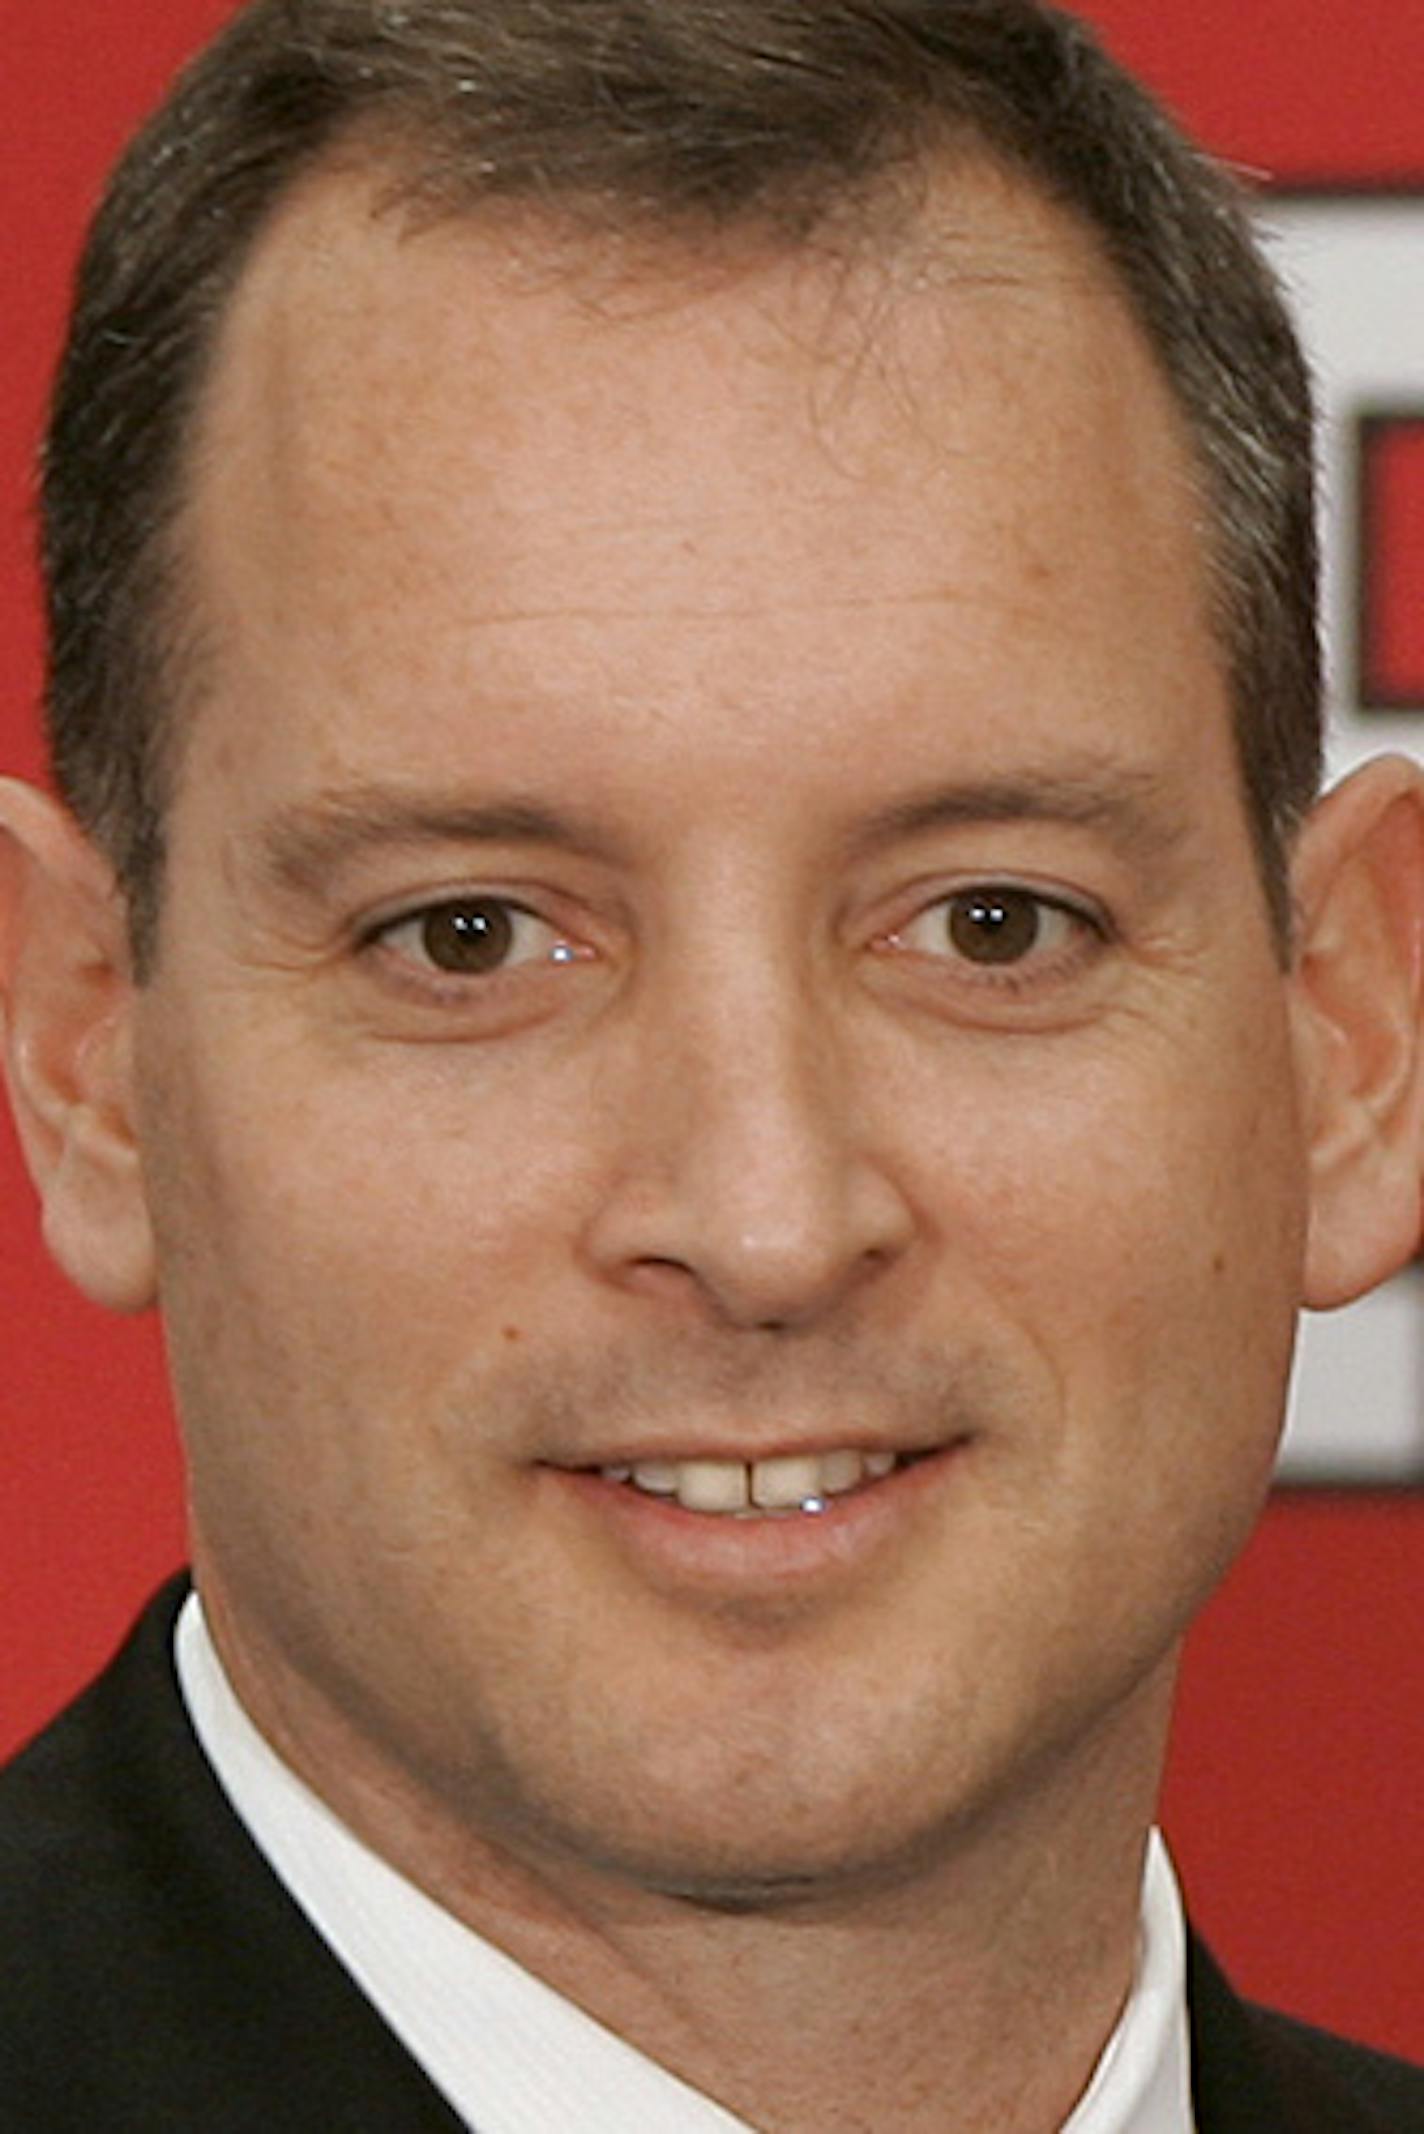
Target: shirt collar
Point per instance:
(510, 2054)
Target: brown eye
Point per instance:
(995, 925)
(472, 937)
(468, 937)
(999, 926)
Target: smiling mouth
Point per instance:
(791, 1484)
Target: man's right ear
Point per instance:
(66, 1017)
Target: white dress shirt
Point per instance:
(514, 2057)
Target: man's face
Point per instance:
(710, 921)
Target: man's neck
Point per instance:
(972, 1987)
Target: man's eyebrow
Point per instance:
(298, 850)
(302, 845)
(1135, 810)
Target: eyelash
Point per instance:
(500, 915)
(1086, 930)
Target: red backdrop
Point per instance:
(1294, 1794)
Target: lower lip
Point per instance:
(679, 1548)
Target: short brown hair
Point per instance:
(696, 115)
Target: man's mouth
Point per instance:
(791, 1484)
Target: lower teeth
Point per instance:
(808, 1507)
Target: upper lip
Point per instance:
(675, 1452)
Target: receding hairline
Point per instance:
(385, 166)
(898, 231)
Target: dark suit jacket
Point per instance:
(156, 1977)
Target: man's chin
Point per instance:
(782, 1859)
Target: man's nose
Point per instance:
(748, 1173)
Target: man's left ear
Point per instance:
(1357, 991)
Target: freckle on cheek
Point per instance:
(1218, 1263)
(512, 1333)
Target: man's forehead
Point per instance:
(354, 332)
(349, 239)
(443, 469)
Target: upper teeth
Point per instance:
(782, 1484)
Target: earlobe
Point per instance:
(67, 998)
(1358, 1010)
